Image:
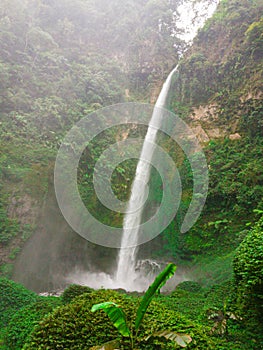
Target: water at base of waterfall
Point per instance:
(143, 275)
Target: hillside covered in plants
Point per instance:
(62, 60)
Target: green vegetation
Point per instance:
(235, 189)
(222, 73)
(75, 320)
(23, 321)
(230, 70)
(248, 273)
(200, 312)
(7, 270)
(13, 297)
(61, 60)
(57, 62)
(73, 291)
(118, 318)
(85, 329)
(8, 227)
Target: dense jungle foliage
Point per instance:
(222, 73)
(61, 60)
(51, 59)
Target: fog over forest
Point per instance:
(131, 138)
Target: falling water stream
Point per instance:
(126, 274)
(131, 274)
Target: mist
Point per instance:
(62, 60)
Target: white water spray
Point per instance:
(126, 275)
(131, 274)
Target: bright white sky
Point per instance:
(188, 11)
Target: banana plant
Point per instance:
(118, 318)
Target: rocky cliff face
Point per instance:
(221, 75)
(47, 88)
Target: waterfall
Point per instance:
(126, 268)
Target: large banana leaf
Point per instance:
(116, 315)
(158, 283)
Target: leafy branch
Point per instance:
(118, 318)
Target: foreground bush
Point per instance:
(73, 291)
(74, 326)
(24, 320)
(248, 272)
(13, 296)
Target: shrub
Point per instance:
(74, 326)
(73, 291)
(6, 270)
(8, 227)
(189, 286)
(13, 296)
(159, 317)
(24, 320)
(248, 273)
(219, 295)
